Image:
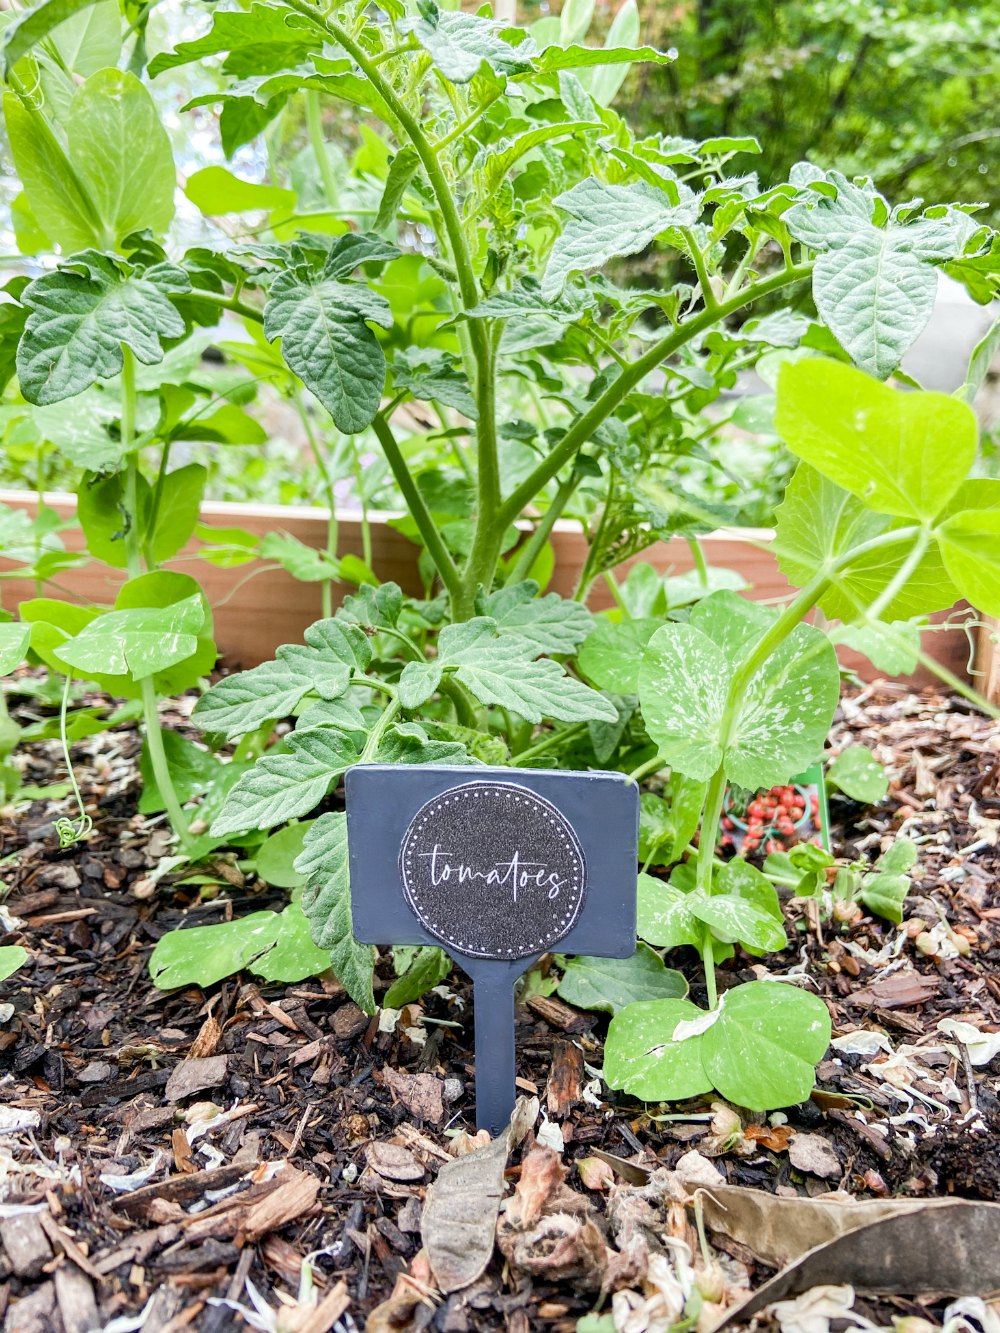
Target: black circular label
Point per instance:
(493, 871)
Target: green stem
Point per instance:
(359, 486)
(532, 548)
(793, 613)
(229, 303)
(154, 736)
(326, 587)
(901, 577)
(700, 564)
(386, 718)
(706, 860)
(584, 426)
(465, 709)
(374, 683)
(954, 682)
(750, 254)
(466, 124)
(154, 506)
(411, 648)
(650, 766)
(419, 512)
(83, 822)
(714, 798)
(160, 765)
(612, 585)
(588, 573)
(314, 124)
(548, 742)
(698, 259)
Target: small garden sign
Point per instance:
(497, 866)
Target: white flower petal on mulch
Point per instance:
(14, 1120)
(981, 1046)
(132, 1181)
(863, 1041)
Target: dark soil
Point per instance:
(299, 1075)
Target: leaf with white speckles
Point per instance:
(664, 915)
(764, 1051)
(745, 909)
(759, 1048)
(783, 715)
(682, 687)
(641, 1057)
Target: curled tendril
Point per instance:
(72, 831)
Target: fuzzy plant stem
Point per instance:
(154, 735)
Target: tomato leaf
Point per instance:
(326, 902)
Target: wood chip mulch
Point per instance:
(166, 1157)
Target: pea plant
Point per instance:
(502, 171)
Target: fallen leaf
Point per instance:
(775, 1138)
(542, 1177)
(421, 1094)
(393, 1162)
(813, 1154)
(693, 1169)
(458, 1227)
(595, 1173)
(549, 1230)
(951, 1247)
(779, 1229)
(899, 990)
(192, 1076)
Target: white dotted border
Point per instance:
(553, 815)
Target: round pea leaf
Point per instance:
(858, 774)
(293, 956)
(642, 1056)
(611, 654)
(202, 955)
(276, 855)
(745, 911)
(970, 546)
(763, 1051)
(899, 452)
(12, 956)
(664, 916)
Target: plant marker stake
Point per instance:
(496, 866)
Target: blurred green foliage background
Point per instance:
(906, 92)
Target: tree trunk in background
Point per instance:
(506, 10)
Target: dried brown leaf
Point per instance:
(421, 1094)
(951, 1247)
(393, 1162)
(458, 1227)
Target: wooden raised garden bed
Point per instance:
(258, 608)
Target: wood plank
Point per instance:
(256, 608)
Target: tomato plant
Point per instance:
(502, 175)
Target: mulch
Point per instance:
(163, 1153)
